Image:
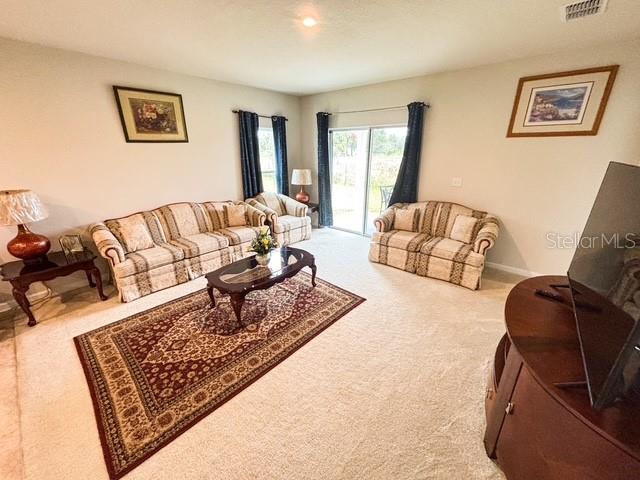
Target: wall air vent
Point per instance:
(577, 10)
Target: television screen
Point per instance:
(605, 284)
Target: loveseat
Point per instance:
(152, 250)
(287, 217)
(440, 240)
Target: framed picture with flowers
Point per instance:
(561, 104)
(151, 116)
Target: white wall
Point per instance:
(60, 135)
(535, 185)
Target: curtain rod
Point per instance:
(263, 116)
(398, 107)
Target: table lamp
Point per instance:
(301, 177)
(18, 207)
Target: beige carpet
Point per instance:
(394, 390)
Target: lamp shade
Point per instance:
(301, 177)
(20, 206)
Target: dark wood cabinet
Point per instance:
(537, 427)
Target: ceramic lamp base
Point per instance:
(28, 246)
(302, 196)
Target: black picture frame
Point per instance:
(128, 121)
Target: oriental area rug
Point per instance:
(157, 373)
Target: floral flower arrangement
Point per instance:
(263, 243)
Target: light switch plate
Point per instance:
(456, 182)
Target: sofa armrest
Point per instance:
(487, 235)
(255, 216)
(384, 222)
(294, 207)
(271, 215)
(106, 242)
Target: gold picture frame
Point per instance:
(71, 246)
(150, 116)
(561, 104)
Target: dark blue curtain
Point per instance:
(325, 214)
(250, 154)
(406, 187)
(280, 142)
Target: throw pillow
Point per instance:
(132, 232)
(406, 219)
(463, 228)
(236, 215)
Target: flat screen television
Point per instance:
(604, 277)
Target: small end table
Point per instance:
(21, 276)
(311, 209)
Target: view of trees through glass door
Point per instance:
(364, 167)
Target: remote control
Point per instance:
(549, 294)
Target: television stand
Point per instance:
(540, 423)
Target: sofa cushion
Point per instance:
(410, 241)
(406, 219)
(235, 215)
(182, 219)
(445, 216)
(148, 259)
(454, 250)
(463, 228)
(215, 214)
(289, 222)
(200, 243)
(273, 201)
(132, 232)
(238, 235)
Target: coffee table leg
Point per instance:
(211, 296)
(313, 274)
(237, 300)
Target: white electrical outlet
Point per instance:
(456, 182)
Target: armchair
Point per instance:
(287, 217)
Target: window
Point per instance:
(267, 159)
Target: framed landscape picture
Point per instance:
(150, 116)
(561, 104)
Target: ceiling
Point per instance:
(263, 43)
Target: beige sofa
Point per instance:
(440, 240)
(287, 217)
(157, 249)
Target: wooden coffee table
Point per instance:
(246, 275)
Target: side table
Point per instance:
(21, 276)
(312, 208)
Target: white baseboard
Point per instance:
(518, 271)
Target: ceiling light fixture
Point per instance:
(309, 22)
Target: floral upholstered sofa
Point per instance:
(287, 217)
(153, 250)
(440, 240)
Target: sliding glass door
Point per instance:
(364, 167)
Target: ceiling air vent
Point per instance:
(577, 10)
